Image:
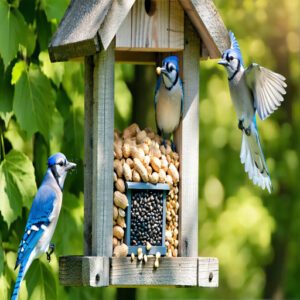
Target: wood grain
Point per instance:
(172, 271)
(103, 132)
(77, 32)
(88, 152)
(160, 31)
(209, 25)
(187, 144)
(115, 17)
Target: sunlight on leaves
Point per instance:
(17, 185)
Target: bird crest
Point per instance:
(235, 46)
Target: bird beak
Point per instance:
(163, 70)
(70, 166)
(223, 62)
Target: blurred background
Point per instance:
(256, 236)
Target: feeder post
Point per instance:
(187, 143)
(99, 139)
(88, 152)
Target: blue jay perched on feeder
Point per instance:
(43, 217)
(168, 99)
(255, 89)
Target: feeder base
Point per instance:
(122, 272)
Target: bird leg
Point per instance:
(248, 131)
(50, 251)
(241, 125)
(173, 147)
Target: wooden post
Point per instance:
(187, 143)
(88, 153)
(99, 162)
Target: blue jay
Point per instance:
(253, 90)
(168, 99)
(43, 217)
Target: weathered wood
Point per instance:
(83, 270)
(88, 153)
(161, 30)
(103, 132)
(208, 272)
(172, 271)
(209, 25)
(115, 17)
(187, 144)
(77, 32)
(88, 24)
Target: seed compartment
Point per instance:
(146, 217)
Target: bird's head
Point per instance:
(59, 166)
(232, 58)
(169, 71)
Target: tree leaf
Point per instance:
(52, 71)
(17, 71)
(17, 185)
(13, 32)
(1, 256)
(34, 102)
(55, 8)
(40, 282)
(4, 293)
(6, 94)
(70, 223)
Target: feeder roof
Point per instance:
(91, 25)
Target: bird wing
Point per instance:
(38, 220)
(182, 97)
(267, 88)
(158, 83)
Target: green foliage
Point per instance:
(14, 32)
(34, 102)
(17, 185)
(40, 272)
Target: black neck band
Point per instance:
(174, 83)
(238, 68)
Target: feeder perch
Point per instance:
(137, 31)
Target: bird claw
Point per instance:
(173, 147)
(241, 127)
(241, 124)
(247, 131)
(50, 252)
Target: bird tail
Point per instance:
(253, 158)
(19, 279)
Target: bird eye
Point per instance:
(230, 57)
(61, 163)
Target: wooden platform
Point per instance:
(172, 271)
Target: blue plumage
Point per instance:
(168, 99)
(43, 216)
(253, 90)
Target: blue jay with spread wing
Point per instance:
(43, 217)
(168, 99)
(255, 89)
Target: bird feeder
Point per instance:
(137, 31)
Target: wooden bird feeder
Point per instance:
(137, 31)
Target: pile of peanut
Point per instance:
(139, 156)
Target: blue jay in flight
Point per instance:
(43, 217)
(255, 89)
(168, 99)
